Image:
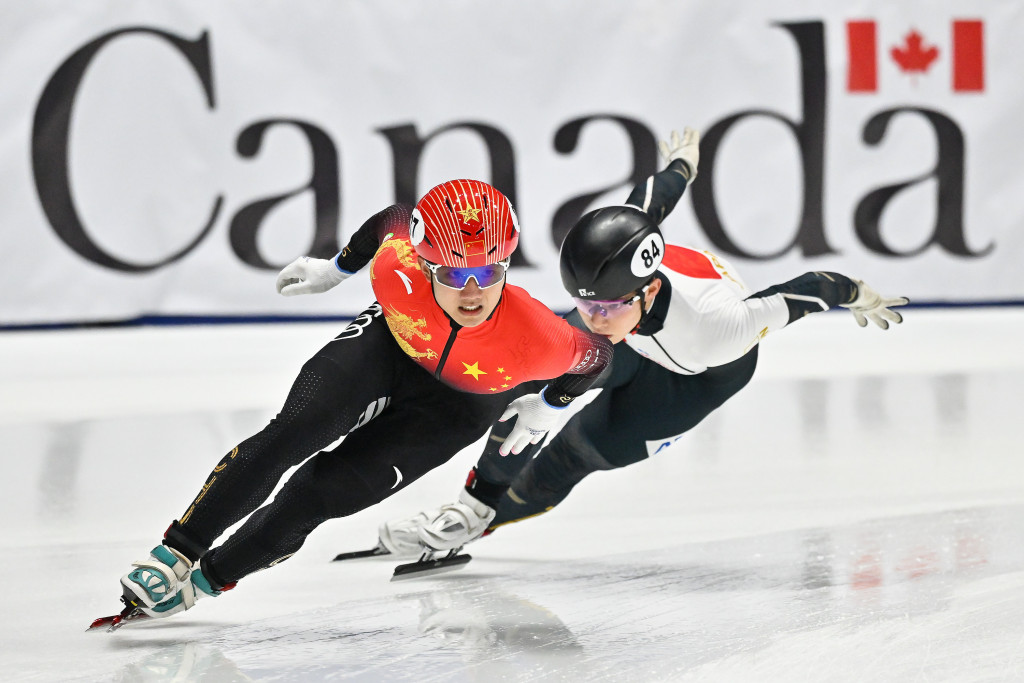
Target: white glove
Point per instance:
(457, 523)
(536, 417)
(868, 304)
(685, 148)
(307, 275)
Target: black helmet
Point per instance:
(610, 252)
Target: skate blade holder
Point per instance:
(428, 565)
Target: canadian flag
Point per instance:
(915, 54)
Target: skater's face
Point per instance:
(616, 320)
(468, 306)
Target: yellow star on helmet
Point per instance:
(470, 213)
(473, 370)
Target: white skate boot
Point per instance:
(165, 583)
(401, 537)
(456, 524)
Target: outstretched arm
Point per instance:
(733, 320)
(660, 193)
(307, 275)
(820, 291)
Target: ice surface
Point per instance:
(854, 514)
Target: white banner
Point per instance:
(167, 158)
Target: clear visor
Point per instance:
(458, 278)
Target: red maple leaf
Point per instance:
(914, 57)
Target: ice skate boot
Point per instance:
(401, 537)
(165, 583)
(395, 538)
(456, 524)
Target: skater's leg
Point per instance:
(424, 427)
(622, 426)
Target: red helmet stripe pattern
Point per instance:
(442, 225)
(467, 223)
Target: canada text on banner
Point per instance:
(169, 159)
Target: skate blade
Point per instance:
(423, 568)
(116, 621)
(359, 554)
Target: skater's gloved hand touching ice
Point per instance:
(306, 275)
(870, 305)
(536, 417)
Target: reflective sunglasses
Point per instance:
(608, 309)
(458, 278)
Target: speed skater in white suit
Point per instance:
(686, 332)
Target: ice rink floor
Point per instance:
(855, 514)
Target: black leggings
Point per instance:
(400, 423)
(642, 409)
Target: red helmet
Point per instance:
(464, 224)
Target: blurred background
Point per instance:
(163, 160)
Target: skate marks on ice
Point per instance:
(934, 596)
